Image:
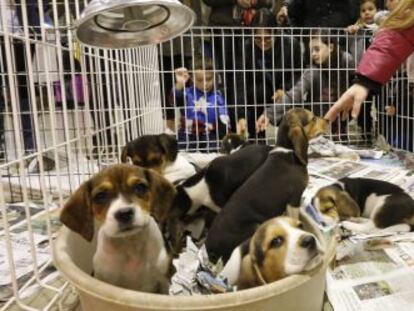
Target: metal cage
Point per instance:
(67, 111)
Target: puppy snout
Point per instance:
(125, 215)
(308, 242)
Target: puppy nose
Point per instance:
(125, 215)
(308, 242)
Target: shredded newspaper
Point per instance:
(195, 274)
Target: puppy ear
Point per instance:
(77, 212)
(170, 146)
(162, 195)
(256, 251)
(124, 154)
(300, 143)
(346, 206)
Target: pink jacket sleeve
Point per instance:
(386, 54)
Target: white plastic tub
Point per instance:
(73, 258)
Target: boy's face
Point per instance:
(320, 51)
(367, 12)
(391, 4)
(203, 80)
(263, 39)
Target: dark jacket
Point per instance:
(222, 11)
(384, 56)
(322, 13)
(260, 73)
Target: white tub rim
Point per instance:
(88, 284)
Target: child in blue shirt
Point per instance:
(204, 118)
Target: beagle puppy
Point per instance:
(212, 186)
(121, 200)
(279, 248)
(207, 191)
(387, 206)
(274, 187)
(160, 153)
(233, 142)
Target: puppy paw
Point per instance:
(366, 227)
(348, 225)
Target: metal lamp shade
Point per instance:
(130, 23)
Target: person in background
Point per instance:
(267, 63)
(227, 43)
(391, 47)
(235, 12)
(363, 29)
(204, 112)
(177, 53)
(318, 86)
(318, 13)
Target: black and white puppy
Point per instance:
(279, 248)
(387, 206)
(160, 153)
(213, 185)
(275, 186)
(203, 195)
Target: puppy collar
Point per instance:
(258, 273)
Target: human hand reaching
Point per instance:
(352, 29)
(262, 123)
(350, 101)
(241, 126)
(278, 95)
(181, 77)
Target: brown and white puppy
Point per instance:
(279, 248)
(386, 205)
(274, 187)
(160, 153)
(121, 200)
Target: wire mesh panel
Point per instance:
(66, 112)
(220, 80)
(396, 109)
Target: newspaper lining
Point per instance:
(21, 244)
(372, 271)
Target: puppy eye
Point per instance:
(101, 197)
(276, 242)
(329, 204)
(300, 225)
(140, 189)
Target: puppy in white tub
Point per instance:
(279, 248)
(122, 199)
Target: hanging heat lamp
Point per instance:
(130, 23)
